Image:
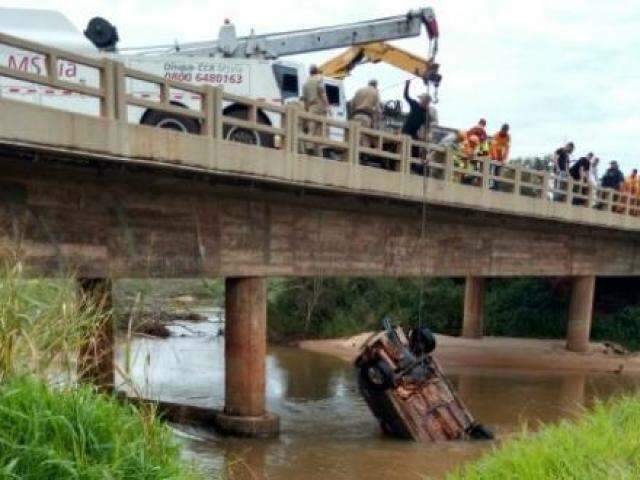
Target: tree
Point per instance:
(534, 163)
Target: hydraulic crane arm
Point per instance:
(341, 65)
(276, 45)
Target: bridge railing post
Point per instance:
(406, 156)
(448, 165)
(120, 92)
(208, 100)
(517, 179)
(291, 128)
(109, 92)
(545, 186)
(569, 196)
(354, 143)
(216, 112)
(486, 173)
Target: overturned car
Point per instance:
(407, 391)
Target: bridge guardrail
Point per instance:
(295, 131)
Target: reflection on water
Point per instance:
(327, 430)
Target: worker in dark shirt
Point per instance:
(561, 160)
(613, 177)
(580, 169)
(418, 113)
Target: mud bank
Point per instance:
(500, 352)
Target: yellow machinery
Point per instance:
(341, 65)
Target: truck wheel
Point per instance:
(246, 135)
(422, 341)
(379, 375)
(171, 121)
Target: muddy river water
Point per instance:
(327, 430)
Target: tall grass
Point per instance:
(42, 324)
(74, 433)
(604, 444)
(66, 430)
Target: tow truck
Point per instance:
(243, 65)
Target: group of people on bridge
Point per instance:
(472, 146)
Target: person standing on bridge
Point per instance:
(421, 114)
(365, 108)
(500, 144)
(315, 102)
(419, 123)
(561, 162)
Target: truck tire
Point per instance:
(422, 341)
(246, 135)
(378, 375)
(171, 121)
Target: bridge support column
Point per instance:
(245, 354)
(473, 320)
(95, 362)
(580, 313)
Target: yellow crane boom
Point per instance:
(341, 65)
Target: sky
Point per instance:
(555, 70)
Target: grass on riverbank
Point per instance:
(73, 432)
(604, 444)
(67, 431)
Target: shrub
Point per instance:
(525, 307)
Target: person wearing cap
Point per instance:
(316, 102)
(365, 108)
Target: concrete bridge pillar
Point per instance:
(95, 362)
(473, 321)
(580, 313)
(245, 355)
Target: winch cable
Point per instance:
(423, 235)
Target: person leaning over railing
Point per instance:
(579, 171)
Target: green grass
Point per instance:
(74, 433)
(604, 444)
(42, 324)
(68, 431)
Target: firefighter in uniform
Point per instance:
(365, 107)
(315, 101)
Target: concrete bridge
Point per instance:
(104, 198)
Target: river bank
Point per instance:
(500, 352)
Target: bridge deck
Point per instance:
(502, 240)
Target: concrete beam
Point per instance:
(580, 313)
(245, 357)
(95, 362)
(473, 321)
